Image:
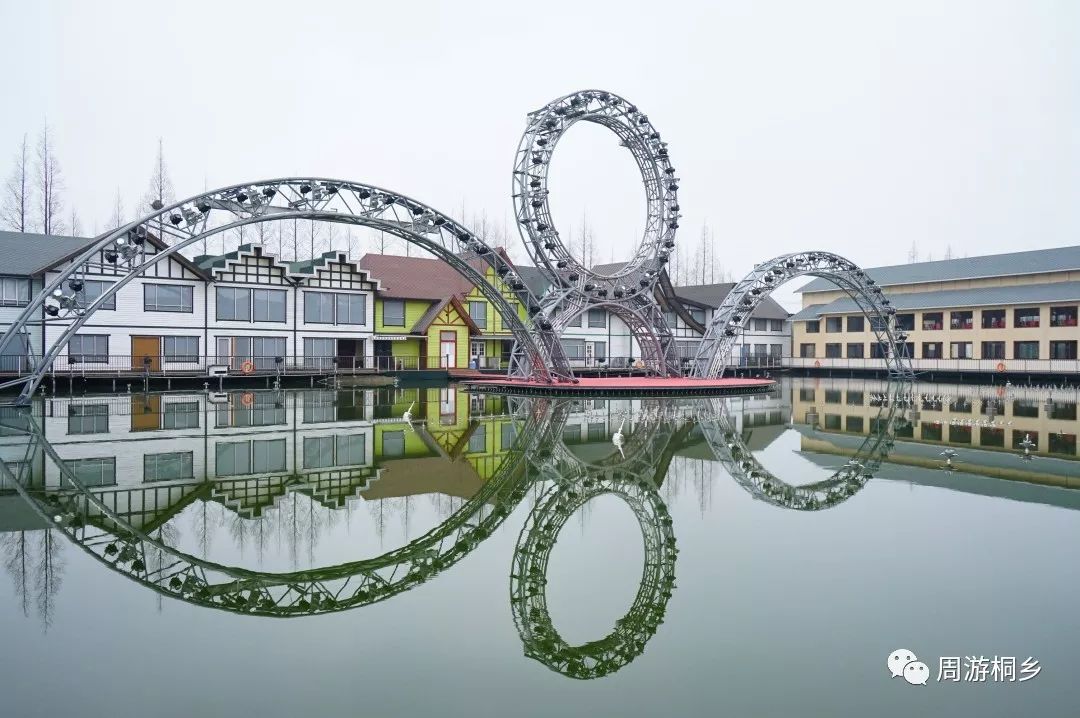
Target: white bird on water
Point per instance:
(617, 438)
(407, 416)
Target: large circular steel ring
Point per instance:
(546, 127)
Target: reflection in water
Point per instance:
(283, 467)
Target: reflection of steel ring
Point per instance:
(247, 367)
(528, 578)
(1001, 366)
(247, 399)
(545, 129)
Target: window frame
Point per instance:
(217, 304)
(189, 293)
(165, 357)
(94, 357)
(394, 302)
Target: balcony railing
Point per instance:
(96, 365)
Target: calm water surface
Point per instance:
(320, 552)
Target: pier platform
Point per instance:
(623, 386)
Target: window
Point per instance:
(14, 291)
(878, 323)
(878, 350)
(761, 325)
(597, 318)
(180, 415)
(507, 435)
(319, 352)
(268, 305)
(833, 396)
(833, 422)
(600, 351)
(478, 439)
(961, 350)
(89, 348)
(91, 472)
(855, 351)
(806, 395)
(1063, 316)
(856, 398)
(478, 313)
(834, 324)
(596, 431)
(1062, 410)
(993, 350)
(760, 349)
(960, 405)
(776, 350)
(961, 320)
(1026, 318)
(318, 308)
(341, 450)
(1063, 350)
(168, 467)
(249, 457)
(93, 289)
(393, 444)
(932, 321)
(477, 349)
(959, 434)
(669, 317)
(168, 298)
(351, 309)
(697, 314)
(1062, 444)
(931, 350)
(1020, 438)
(992, 437)
(993, 319)
(575, 348)
(180, 349)
(806, 351)
(853, 424)
(905, 322)
(233, 304)
(1025, 350)
(930, 431)
(1026, 408)
(88, 419)
(776, 325)
(813, 326)
(393, 312)
(856, 324)
(832, 351)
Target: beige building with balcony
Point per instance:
(1007, 314)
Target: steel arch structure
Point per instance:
(730, 319)
(731, 451)
(94, 526)
(537, 352)
(573, 285)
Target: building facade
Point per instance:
(1009, 313)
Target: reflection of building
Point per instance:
(989, 426)
(1000, 313)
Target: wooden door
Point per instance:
(145, 412)
(448, 350)
(143, 348)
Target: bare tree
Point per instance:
(15, 211)
(16, 548)
(948, 251)
(50, 185)
(49, 571)
(160, 188)
(117, 218)
(913, 253)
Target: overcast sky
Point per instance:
(854, 127)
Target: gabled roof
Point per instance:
(1059, 259)
(428, 317)
(713, 295)
(959, 298)
(27, 254)
(310, 267)
(414, 277)
(210, 262)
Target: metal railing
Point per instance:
(92, 365)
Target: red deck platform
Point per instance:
(624, 386)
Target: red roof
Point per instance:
(414, 277)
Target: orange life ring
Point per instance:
(1001, 366)
(247, 398)
(1001, 391)
(247, 367)
(817, 364)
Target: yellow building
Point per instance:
(1006, 314)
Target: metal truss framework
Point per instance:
(729, 321)
(537, 353)
(634, 474)
(730, 450)
(628, 292)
